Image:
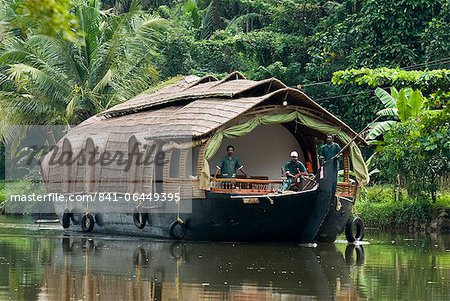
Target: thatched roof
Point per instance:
(201, 105)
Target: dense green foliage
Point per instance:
(418, 151)
(429, 80)
(49, 80)
(378, 207)
(66, 64)
(297, 41)
(435, 84)
(413, 146)
(305, 41)
(48, 17)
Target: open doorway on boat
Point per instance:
(263, 152)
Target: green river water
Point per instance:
(44, 262)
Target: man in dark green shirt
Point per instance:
(329, 150)
(229, 165)
(293, 168)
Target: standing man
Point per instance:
(293, 169)
(229, 165)
(327, 152)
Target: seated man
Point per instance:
(293, 169)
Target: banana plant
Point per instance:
(205, 20)
(399, 106)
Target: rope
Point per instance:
(178, 205)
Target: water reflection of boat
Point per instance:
(142, 270)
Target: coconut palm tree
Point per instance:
(50, 80)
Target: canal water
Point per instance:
(43, 262)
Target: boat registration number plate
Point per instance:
(250, 200)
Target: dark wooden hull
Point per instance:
(309, 216)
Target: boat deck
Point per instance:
(265, 186)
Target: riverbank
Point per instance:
(379, 209)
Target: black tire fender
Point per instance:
(354, 230)
(66, 217)
(177, 250)
(99, 219)
(140, 257)
(66, 245)
(349, 252)
(181, 232)
(140, 219)
(87, 223)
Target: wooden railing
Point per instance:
(254, 186)
(244, 186)
(347, 189)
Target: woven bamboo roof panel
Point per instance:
(231, 86)
(205, 79)
(144, 118)
(197, 107)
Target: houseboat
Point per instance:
(144, 167)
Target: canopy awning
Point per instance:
(359, 167)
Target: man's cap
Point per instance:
(294, 154)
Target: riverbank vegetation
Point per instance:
(412, 136)
(64, 61)
(378, 207)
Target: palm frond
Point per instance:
(390, 112)
(379, 128)
(12, 50)
(387, 100)
(89, 19)
(52, 55)
(103, 82)
(38, 80)
(207, 28)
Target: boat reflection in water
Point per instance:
(140, 270)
